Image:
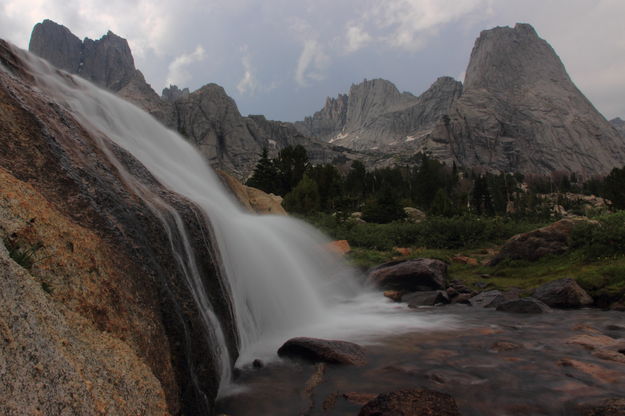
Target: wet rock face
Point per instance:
(139, 296)
(56, 356)
(563, 293)
(321, 350)
(415, 402)
(409, 275)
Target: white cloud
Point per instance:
(248, 84)
(311, 64)
(357, 38)
(178, 73)
(407, 24)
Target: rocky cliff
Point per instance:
(208, 117)
(375, 114)
(96, 314)
(518, 111)
(107, 62)
(619, 124)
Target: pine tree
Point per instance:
(265, 174)
(304, 198)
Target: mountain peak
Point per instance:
(506, 58)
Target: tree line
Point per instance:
(426, 184)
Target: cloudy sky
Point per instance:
(282, 58)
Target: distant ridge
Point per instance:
(208, 117)
(519, 111)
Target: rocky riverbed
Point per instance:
(491, 363)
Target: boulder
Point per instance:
(533, 245)
(394, 295)
(465, 260)
(339, 247)
(414, 215)
(323, 350)
(464, 298)
(409, 275)
(252, 199)
(427, 298)
(563, 293)
(489, 299)
(524, 305)
(413, 402)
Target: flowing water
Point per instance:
(284, 283)
(282, 280)
(493, 364)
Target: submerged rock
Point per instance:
(409, 275)
(525, 305)
(563, 293)
(428, 298)
(415, 402)
(609, 407)
(488, 299)
(322, 350)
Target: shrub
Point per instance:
(603, 239)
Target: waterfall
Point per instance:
(279, 275)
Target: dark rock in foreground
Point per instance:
(428, 298)
(610, 407)
(416, 402)
(525, 305)
(409, 275)
(533, 245)
(563, 293)
(488, 299)
(322, 350)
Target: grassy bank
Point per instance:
(596, 259)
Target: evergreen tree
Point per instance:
(614, 188)
(385, 208)
(442, 205)
(265, 174)
(304, 198)
(291, 164)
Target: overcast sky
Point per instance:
(282, 58)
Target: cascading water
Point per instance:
(281, 279)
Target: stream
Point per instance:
(492, 363)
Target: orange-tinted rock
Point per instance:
(394, 295)
(592, 342)
(252, 199)
(465, 260)
(402, 250)
(598, 372)
(339, 247)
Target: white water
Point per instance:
(282, 280)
